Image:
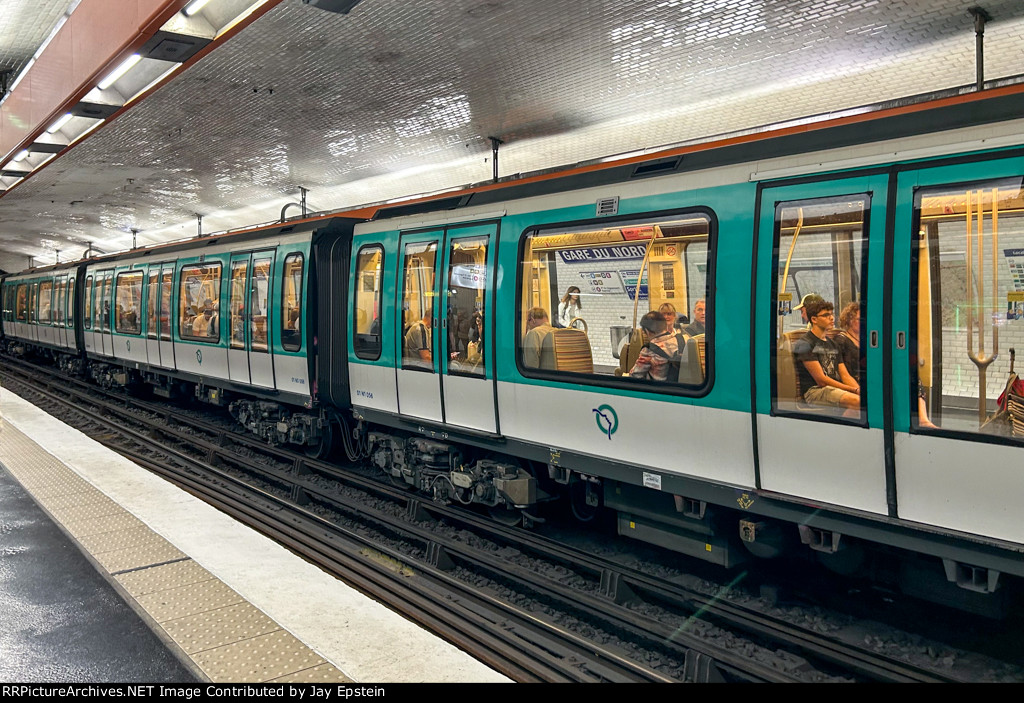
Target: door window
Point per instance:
(418, 306)
(467, 284)
(968, 308)
(366, 333)
(820, 250)
(236, 303)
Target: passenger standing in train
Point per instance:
(417, 343)
(537, 328)
(847, 340)
(823, 376)
(662, 349)
(697, 326)
(570, 308)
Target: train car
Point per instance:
(911, 226)
(229, 320)
(39, 312)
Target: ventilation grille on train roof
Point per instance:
(656, 168)
(608, 206)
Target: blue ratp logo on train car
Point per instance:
(607, 419)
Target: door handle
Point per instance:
(901, 340)
(874, 339)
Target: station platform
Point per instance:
(222, 603)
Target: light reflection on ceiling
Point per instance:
(400, 96)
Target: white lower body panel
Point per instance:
(689, 440)
(967, 486)
(823, 461)
(373, 387)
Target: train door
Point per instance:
(239, 340)
(818, 363)
(164, 316)
(467, 375)
(416, 317)
(60, 310)
(445, 371)
(153, 315)
(261, 319)
(957, 318)
(105, 313)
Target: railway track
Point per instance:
(527, 605)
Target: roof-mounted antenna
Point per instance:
(199, 225)
(135, 234)
(301, 204)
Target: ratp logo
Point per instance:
(607, 420)
(199, 356)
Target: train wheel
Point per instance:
(323, 448)
(581, 510)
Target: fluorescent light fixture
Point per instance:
(156, 80)
(252, 8)
(119, 71)
(194, 7)
(59, 123)
(89, 129)
(22, 155)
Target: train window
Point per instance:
(291, 303)
(108, 285)
(626, 299)
(467, 282)
(820, 252)
(71, 302)
(21, 306)
(128, 303)
(87, 322)
(152, 307)
(58, 301)
(33, 299)
(418, 306)
(45, 302)
(258, 305)
(236, 303)
(968, 266)
(166, 278)
(199, 298)
(366, 320)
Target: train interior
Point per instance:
(970, 307)
(622, 272)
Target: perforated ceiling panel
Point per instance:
(399, 96)
(24, 26)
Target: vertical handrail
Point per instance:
(981, 359)
(789, 258)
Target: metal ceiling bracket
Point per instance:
(980, 18)
(495, 143)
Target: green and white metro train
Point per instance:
(411, 330)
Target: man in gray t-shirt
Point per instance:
(823, 376)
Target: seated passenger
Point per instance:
(824, 379)
(660, 353)
(537, 328)
(205, 325)
(417, 343)
(697, 326)
(668, 311)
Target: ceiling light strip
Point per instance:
(114, 75)
(194, 7)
